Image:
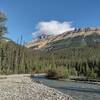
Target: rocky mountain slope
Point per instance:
(77, 38)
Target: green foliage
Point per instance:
(51, 73)
(70, 62)
(3, 29)
(66, 73)
(73, 71)
(60, 72)
(15, 58)
(91, 73)
(61, 63)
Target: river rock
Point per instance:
(22, 87)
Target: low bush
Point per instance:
(60, 72)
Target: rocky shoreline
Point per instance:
(22, 87)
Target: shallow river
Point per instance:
(78, 90)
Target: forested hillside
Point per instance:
(72, 62)
(14, 58)
(78, 55)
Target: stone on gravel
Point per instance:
(22, 87)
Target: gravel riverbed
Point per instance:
(22, 87)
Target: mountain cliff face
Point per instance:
(78, 38)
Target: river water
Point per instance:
(78, 90)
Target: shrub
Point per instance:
(91, 74)
(51, 73)
(59, 72)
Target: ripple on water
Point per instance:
(78, 90)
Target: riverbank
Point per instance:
(77, 79)
(82, 80)
(71, 79)
(22, 87)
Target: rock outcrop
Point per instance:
(42, 42)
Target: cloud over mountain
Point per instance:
(52, 27)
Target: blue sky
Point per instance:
(24, 15)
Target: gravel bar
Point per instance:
(22, 87)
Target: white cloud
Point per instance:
(52, 27)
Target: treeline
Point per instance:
(70, 62)
(15, 58)
(60, 63)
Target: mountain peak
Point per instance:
(44, 39)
